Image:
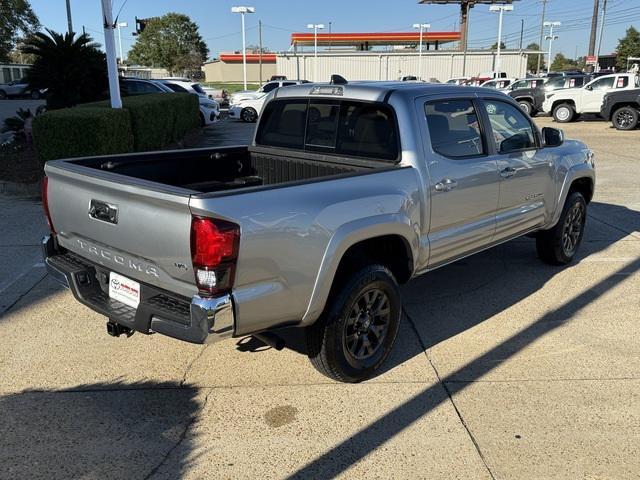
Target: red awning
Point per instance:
(251, 57)
(389, 38)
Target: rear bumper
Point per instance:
(195, 320)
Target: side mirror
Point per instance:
(588, 87)
(552, 137)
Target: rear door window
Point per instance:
(454, 128)
(367, 130)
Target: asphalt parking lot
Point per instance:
(505, 368)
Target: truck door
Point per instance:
(464, 180)
(594, 94)
(526, 171)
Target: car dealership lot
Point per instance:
(505, 368)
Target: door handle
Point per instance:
(508, 172)
(446, 185)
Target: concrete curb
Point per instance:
(20, 189)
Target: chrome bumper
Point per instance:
(198, 320)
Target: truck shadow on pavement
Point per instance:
(101, 430)
(451, 300)
(135, 430)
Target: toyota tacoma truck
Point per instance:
(567, 104)
(622, 109)
(346, 191)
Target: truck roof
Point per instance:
(373, 90)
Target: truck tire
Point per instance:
(564, 113)
(526, 106)
(249, 115)
(625, 118)
(559, 245)
(35, 95)
(358, 328)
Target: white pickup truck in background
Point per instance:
(567, 104)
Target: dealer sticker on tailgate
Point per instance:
(124, 290)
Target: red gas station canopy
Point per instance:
(356, 39)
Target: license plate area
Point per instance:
(124, 290)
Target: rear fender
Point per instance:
(345, 237)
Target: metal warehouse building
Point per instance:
(358, 65)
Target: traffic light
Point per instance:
(141, 24)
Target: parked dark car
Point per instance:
(622, 108)
(529, 93)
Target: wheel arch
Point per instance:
(568, 101)
(584, 185)
(391, 243)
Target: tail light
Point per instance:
(45, 202)
(214, 251)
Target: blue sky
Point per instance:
(221, 29)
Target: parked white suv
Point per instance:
(266, 88)
(567, 104)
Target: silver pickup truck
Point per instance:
(346, 191)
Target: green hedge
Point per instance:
(77, 132)
(146, 122)
(159, 119)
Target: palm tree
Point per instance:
(70, 67)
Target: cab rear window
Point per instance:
(338, 127)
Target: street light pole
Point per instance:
(501, 9)
(315, 27)
(242, 11)
(110, 49)
(422, 27)
(120, 25)
(551, 37)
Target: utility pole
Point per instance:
(594, 27)
(69, 23)
(521, 31)
(330, 23)
(604, 13)
(544, 10)
(464, 27)
(260, 53)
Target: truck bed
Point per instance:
(222, 169)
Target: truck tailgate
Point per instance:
(136, 228)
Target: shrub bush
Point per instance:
(78, 132)
(158, 119)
